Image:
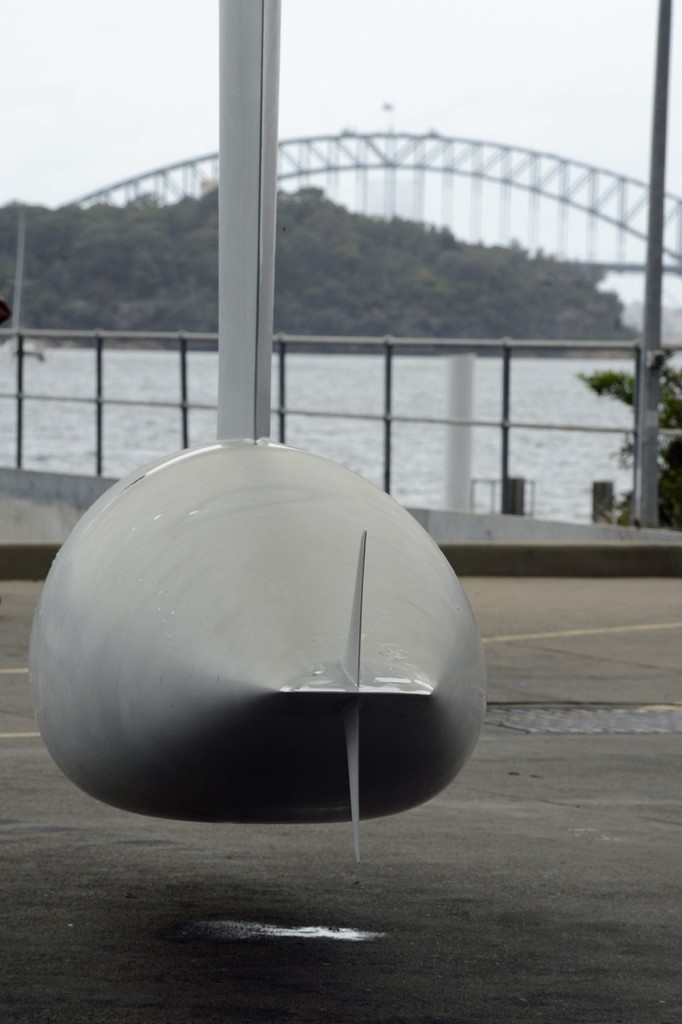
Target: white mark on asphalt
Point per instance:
(647, 718)
(231, 931)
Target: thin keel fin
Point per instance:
(351, 718)
(351, 658)
(351, 721)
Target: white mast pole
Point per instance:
(249, 89)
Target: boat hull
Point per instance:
(187, 653)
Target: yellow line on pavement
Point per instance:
(13, 671)
(18, 735)
(601, 631)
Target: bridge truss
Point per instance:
(481, 191)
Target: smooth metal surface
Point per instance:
(249, 79)
(186, 656)
(351, 659)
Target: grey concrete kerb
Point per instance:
(493, 558)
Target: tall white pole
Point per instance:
(249, 89)
(645, 497)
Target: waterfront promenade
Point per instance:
(543, 885)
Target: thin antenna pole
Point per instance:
(249, 89)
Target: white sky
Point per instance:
(94, 91)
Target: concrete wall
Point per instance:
(37, 507)
(44, 507)
(38, 510)
(457, 527)
(591, 560)
(492, 558)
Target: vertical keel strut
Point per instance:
(351, 718)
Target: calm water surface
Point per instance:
(562, 464)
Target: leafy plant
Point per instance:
(621, 386)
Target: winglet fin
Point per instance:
(351, 718)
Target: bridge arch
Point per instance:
(482, 191)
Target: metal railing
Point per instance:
(284, 345)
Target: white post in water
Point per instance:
(460, 385)
(249, 87)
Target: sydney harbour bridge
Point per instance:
(484, 192)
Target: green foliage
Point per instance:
(622, 387)
(142, 267)
(154, 267)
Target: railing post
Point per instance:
(506, 405)
(388, 391)
(20, 398)
(388, 401)
(516, 490)
(282, 388)
(602, 501)
(636, 477)
(99, 344)
(184, 412)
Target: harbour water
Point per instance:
(561, 465)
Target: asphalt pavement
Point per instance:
(544, 885)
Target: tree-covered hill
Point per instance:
(149, 267)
